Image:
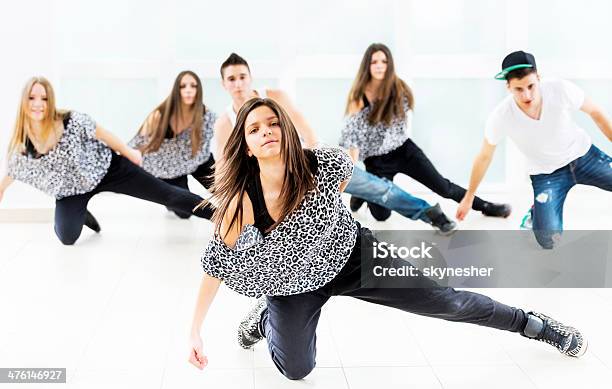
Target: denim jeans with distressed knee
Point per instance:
(550, 191)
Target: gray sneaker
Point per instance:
(440, 221)
(566, 339)
(249, 332)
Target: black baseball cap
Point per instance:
(516, 60)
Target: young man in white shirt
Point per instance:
(236, 80)
(537, 117)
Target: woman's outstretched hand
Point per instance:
(196, 355)
(464, 207)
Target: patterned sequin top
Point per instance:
(76, 164)
(174, 158)
(374, 139)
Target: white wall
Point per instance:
(116, 59)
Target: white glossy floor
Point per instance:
(115, 310)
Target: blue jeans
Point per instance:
(385, 193)
(550, 190)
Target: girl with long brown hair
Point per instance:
(379, 110)
(175, 138)
(283, 232)
(236, 79)
(67, 155)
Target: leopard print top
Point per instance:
(377, 139)
(74, 166)
(173, 158)
(303, 252)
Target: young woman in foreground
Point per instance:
(282, 232)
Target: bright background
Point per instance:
(117, 59)
(115, 310)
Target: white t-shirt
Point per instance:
(233, 115)
(551, 142)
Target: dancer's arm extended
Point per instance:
(598, 116)
(118, 145)
(210, 285)
(223, 129)
(479, 168)
(208, 291)
(299, 121)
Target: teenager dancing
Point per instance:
(282, 232)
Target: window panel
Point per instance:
(322, 101)
(448, 124)
(343, 27)
(119, 105)
(572, 30)
(109, 30)
(212, 30)
(456, 26)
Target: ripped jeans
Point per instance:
(550, 190)
(385, 193)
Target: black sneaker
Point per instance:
(248, 330)
(566, 339)
(440, 221)
(497, 210)
(356, 203)
(91, 222)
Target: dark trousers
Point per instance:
(126, 178)
(409, 159)
(203, 174)
(289, 322)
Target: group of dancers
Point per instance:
(281, 230)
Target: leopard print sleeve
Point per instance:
(248, 238)
(17, 166)
(349, 136)
(339, 164)
(211, 263)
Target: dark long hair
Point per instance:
(233, 176)
(170, 107)
(390, 101)
(232, 60)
